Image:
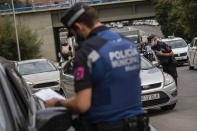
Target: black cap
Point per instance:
(151, 37)
(72, 14)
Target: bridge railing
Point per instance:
(49, 4)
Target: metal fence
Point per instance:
(47, 4)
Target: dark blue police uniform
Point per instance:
(110, 65)
(166, 61)
(162, 47)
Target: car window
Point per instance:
(4, 116)
(6, 119)
(68, 68)
(145, 64)
(2, 120)
(36, 67)
(18, 97)
(176, 43)
(195, 42)
(134, 39)
(192, 43)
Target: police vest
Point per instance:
(114, 63)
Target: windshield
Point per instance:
(176, 43)
(145, 64)
(36, 67)
(134, 39)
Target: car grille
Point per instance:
(48, 84)
(182, 54)
(151, 86)
(163, 99)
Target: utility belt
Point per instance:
(137, 123)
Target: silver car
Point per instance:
(39, 74)
(158, 88)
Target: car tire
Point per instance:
(168, 107)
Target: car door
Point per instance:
(67, 79)
(192, 51)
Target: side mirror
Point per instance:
(156, 63)
(189, 44)
(53, 119)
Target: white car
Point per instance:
(192, 53)
(158, 88)
(179, 47)
(39, 74)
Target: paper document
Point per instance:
(46, 94)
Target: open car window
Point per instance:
(4, 114)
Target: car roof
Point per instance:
(30, 61)
(172, 39)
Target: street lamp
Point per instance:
(17, 41)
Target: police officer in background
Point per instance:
(106, 71)
(165, 56)
(149, 54)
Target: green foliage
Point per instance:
(29, 43)
(177, 17)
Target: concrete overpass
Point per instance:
(45, 22)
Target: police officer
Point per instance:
(165, 56)
(106, 71)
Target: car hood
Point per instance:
(42, 77)
(180, 50)
(151, 76)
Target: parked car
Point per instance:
(21, 111)
(39, 74)
(179, 47)
(192, 53)
(158, 88)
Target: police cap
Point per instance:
(72, 14)
(151, 37)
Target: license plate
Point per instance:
(179, 58)
(150, 97)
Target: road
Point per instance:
(184, 116)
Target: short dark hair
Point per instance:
(88, 18)
(80, 13)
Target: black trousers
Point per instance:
(170, 68)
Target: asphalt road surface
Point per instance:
(184, 116)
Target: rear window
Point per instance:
(176, 43)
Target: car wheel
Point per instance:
(168, 107)
(190, 67)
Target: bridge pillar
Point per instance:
(41, 23)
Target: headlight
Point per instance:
(167, 79)
(29, 83)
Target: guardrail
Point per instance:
(52, 4)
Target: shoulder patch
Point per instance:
(79, 73)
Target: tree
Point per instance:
(177, 17)
(29, 43)
(189, 18)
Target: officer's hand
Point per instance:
(51, 102)
(159, 53)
